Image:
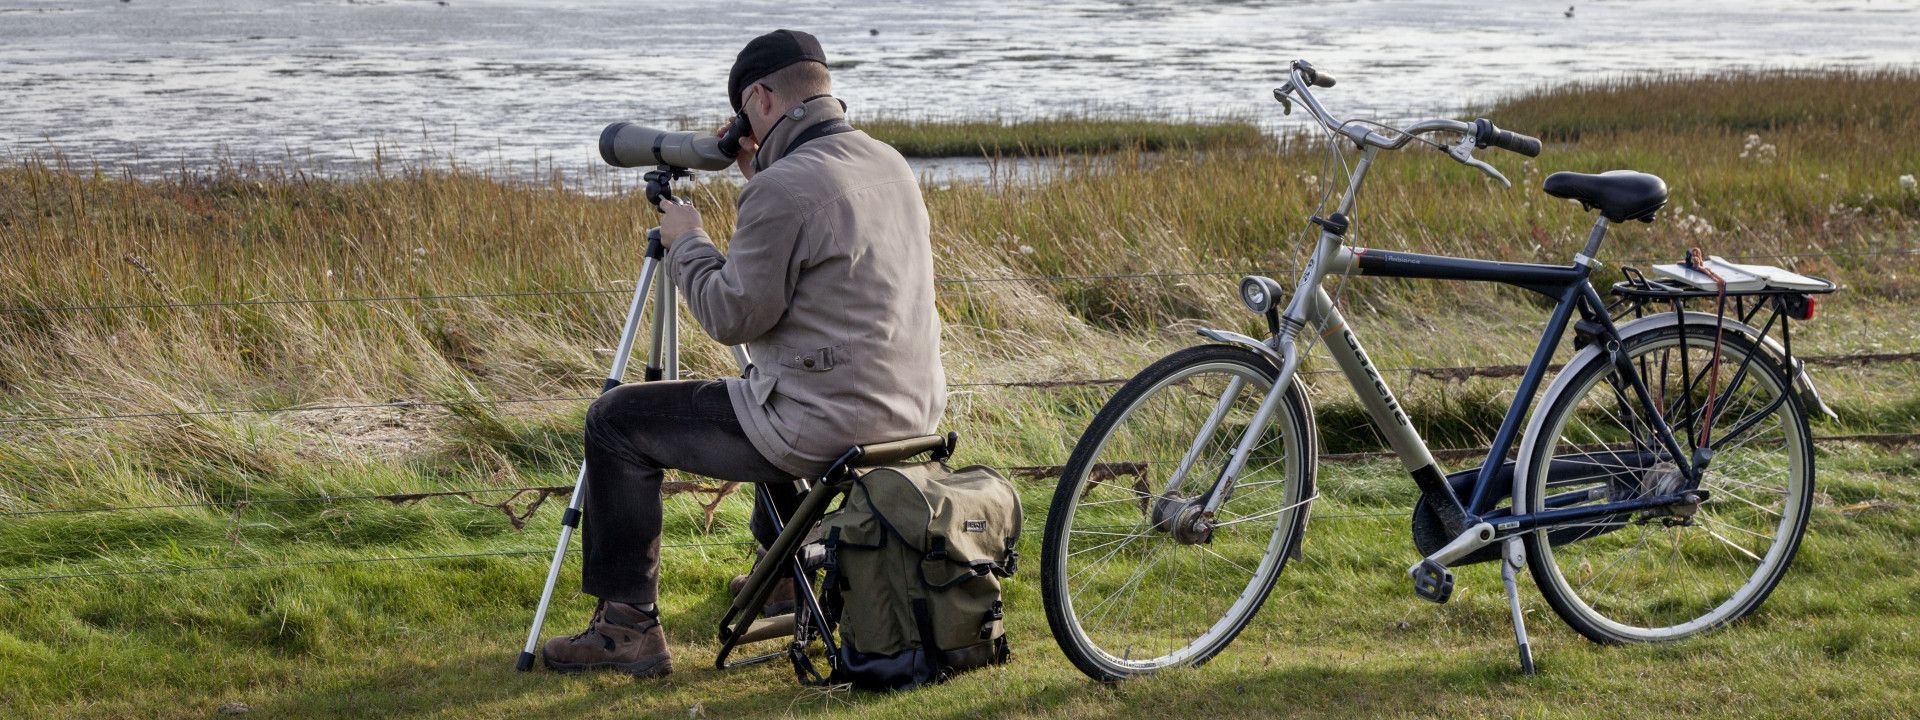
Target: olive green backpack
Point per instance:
(915, 555)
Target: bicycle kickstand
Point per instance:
(1513, 557)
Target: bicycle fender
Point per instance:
(1227, 337)
(1592, 353)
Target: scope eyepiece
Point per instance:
(730, 140)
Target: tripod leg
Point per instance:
(1512, 559)
(670, 307)
(658, 343)
(571, 518)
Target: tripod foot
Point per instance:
(526, 662)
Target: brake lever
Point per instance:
(1463, 153)
(1280, 95)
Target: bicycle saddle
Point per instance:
(1621, 195)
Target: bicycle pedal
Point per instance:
(1432, 581)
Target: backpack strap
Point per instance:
(832, 602)
(937, 552)
(994, 615)
(923, 620)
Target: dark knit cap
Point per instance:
(767, 53)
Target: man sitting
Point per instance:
(828, 281)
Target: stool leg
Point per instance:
(781, 558)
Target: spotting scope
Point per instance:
(625, 144)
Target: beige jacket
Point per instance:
(828, 281)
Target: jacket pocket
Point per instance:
(760, 387)
(815, 360)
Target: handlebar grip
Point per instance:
(1485, 133)
(1312, 76)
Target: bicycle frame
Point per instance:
(1554, 501)
(1310, 305)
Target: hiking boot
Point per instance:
(620, 637)
(779, 602)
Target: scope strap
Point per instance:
(817, 131)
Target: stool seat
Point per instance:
(877, 454)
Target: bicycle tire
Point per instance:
(1550, 560)
(1294, 417)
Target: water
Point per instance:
(524, 87)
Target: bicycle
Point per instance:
(1651, 500)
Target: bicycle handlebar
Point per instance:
(1312, 76)
(1486, 133)
(1305, 75)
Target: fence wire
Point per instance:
(509, 294)
(1444, 373)
(313, 563)
(1026, 471)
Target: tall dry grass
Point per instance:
(1828, 184)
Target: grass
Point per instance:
(435, 638)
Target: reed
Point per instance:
(924, 137)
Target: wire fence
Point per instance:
(1029, 472)
(541, 493)
(317, 563)
(510, 294)
(1453, 373)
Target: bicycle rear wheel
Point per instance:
(1130, 586)
(1669, 574)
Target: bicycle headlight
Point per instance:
(1260, 293)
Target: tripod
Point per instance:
(663, 363)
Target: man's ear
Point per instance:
(765, 100)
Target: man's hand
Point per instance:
(676, 219)
(747, 147)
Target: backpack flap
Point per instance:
(860, 564)
(973, 512)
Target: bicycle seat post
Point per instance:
(1594, 237)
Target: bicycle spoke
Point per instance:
(1680, 569)
(1734, 545)
(1122, 567)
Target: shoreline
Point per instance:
(933, 140)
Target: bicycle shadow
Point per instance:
(484, 684)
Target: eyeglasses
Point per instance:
(748, 95)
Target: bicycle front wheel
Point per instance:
(1134, 578)
(1672, 572)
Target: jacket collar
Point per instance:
(813, 112)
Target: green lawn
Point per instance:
(1342, 635)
